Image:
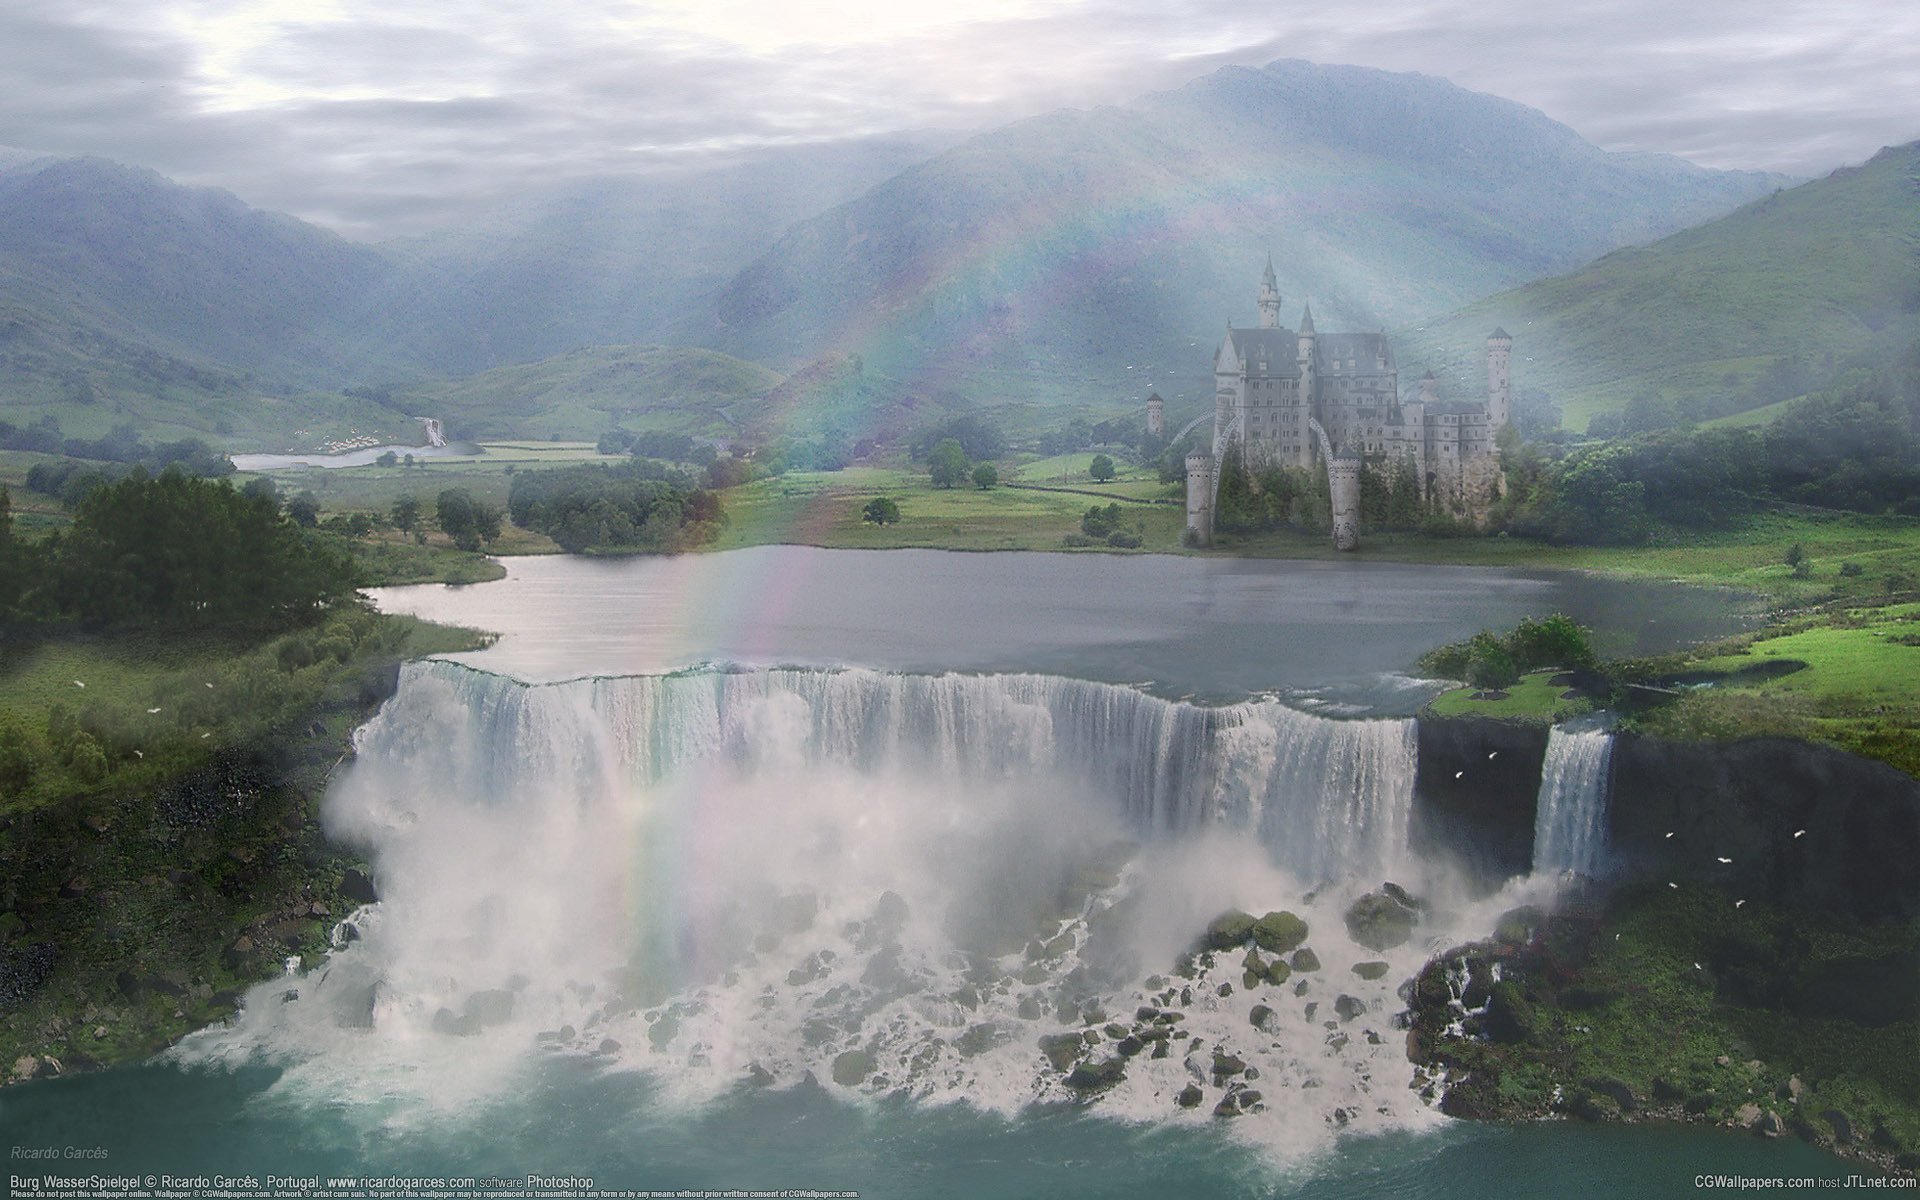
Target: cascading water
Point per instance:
(1570, 816)
(900, 884)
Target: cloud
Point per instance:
(391, 116)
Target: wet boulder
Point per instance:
(1279, 933)
(1228, 930)
(1379, 922)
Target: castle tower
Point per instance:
(1343, 481)
(1269, 298)
(1429, 389)
(1309, 392)
(1499, 379)
(1156, 416)
(1200, 498)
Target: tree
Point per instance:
(1489, 665)
(387, 460)
(1101, 468)
(947, 463)
(466, 520)
(304, 510)
(985, 476)
(1100, 522)
(262, 487)
(406, 513)
(881, 510)
(1797, 559)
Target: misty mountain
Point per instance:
(1092, 254)
(115, 279)
(606, 261)
(1758, 306)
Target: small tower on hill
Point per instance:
(1499, 379)
(1156, 416)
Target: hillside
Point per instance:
(584, 393)
(1097, 253)
(1730, 316)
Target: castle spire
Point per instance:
(1306, 318)
(1269, 298)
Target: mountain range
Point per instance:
(1080, 257)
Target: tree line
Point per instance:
(636, 505)
(170, 550)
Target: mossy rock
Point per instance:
(852, 1068)
(1095, 1077)
(1304, 959)
(1261, 1018)
(1062, 1049)
(1190, 1096)
(1379, 922)
(1519, 924)
(1229, 929)
(1510, 1017)
(1375, 969)
(1278, 972)
(1279, 933)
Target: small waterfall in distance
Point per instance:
(1570, 821)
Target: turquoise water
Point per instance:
(569, 1118)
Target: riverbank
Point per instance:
(150, 882)
(1675, 1004)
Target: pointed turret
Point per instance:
(1306, 318)
(1269, 298)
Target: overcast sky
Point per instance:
(393, 116)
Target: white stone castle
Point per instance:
(1299, 398)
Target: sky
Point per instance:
(387, 117)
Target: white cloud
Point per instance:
(333, 108)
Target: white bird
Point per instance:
(1616, 937)
(152, 710)
(1799, 833)
(138, 754)
(1458, 774)
(1491, 756)
(1669, 834)
(1738, 903)
(1726, 860)
(209, 685)
(78, 684)
(1675, 886)
(1698, 967)
(205, 736)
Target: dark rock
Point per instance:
(1228, 930)
(1093, 1077)
(1129, 1046)
(1190, 1096)
(1401, 896)
(1229, 1106)
(1061, 1049)
(1769, 1125)
(445, 1021)
(852, 1068)
(1349, 1007)
(978, 1039)
(1161, 1049)
(1519, 924)
(1029, 1009)
(1261, 1018)
(1304, 959)
(1615, 1090)
(1370, 970)
(1594, 1106)
(1278, 972)
(1379, 922)
(662, 1031)
(1842, 1127)
(1701, 1104)
(1510, 1018)
(1225, 1064)
(1279, 932)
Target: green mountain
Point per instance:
(584, 393)
(1095, 254)
(1730, 316)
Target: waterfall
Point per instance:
(899, 883)
(1570, 816)
(1327, 798)
(436, 435)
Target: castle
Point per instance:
(1298, 398)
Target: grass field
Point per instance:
(824, 509)
(1532, 699)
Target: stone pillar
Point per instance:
(1343, 481)
(1156, 416)
(1200, 498)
